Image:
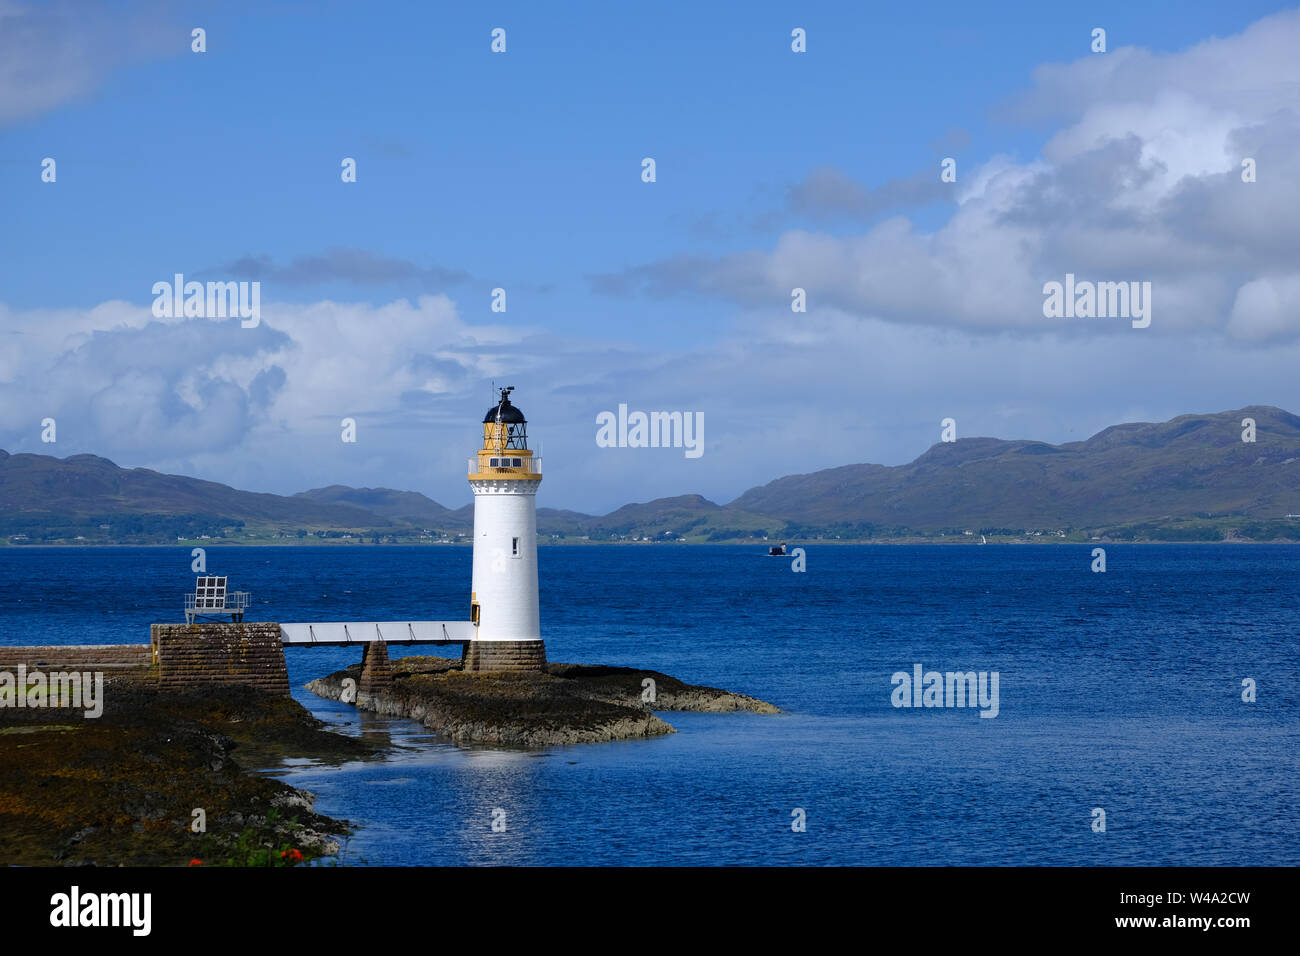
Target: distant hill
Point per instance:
(50, 498)
(407, 506)
(1191, 478)
(685, 516)
(1192, 467)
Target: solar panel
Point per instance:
(210, 593)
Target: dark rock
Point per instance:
(564, 704)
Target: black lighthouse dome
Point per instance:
(504, 412)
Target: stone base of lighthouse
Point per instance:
(481, 657)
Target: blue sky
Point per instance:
(522, 170)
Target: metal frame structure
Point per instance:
(211, 599)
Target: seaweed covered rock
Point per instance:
(565, 704)
(124, 788)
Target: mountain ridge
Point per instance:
(1189, 478)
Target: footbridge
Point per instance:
(338, 633)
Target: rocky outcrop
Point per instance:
(565, 704)
(621, 684)
(163, 778)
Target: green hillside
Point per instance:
(1188, 479)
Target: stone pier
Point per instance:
(220, 653)
(124, 659)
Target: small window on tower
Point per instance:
(494, 463)
(519, 463)
(514, 547)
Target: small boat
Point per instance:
(776, 551)
(983, 540)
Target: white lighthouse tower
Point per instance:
(505, 477)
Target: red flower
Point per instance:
(196, 862)
(293, 855)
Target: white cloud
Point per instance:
(1141, 183)
(260, 408)
(1267, 309)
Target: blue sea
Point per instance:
(1119, 691)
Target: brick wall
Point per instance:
(485, 656)
(220, 653)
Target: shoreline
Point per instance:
(798, 543)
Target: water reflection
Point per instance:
(499, 808)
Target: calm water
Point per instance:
(1119, 690)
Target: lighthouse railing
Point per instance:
(530, 466)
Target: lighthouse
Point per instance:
(504, 477)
